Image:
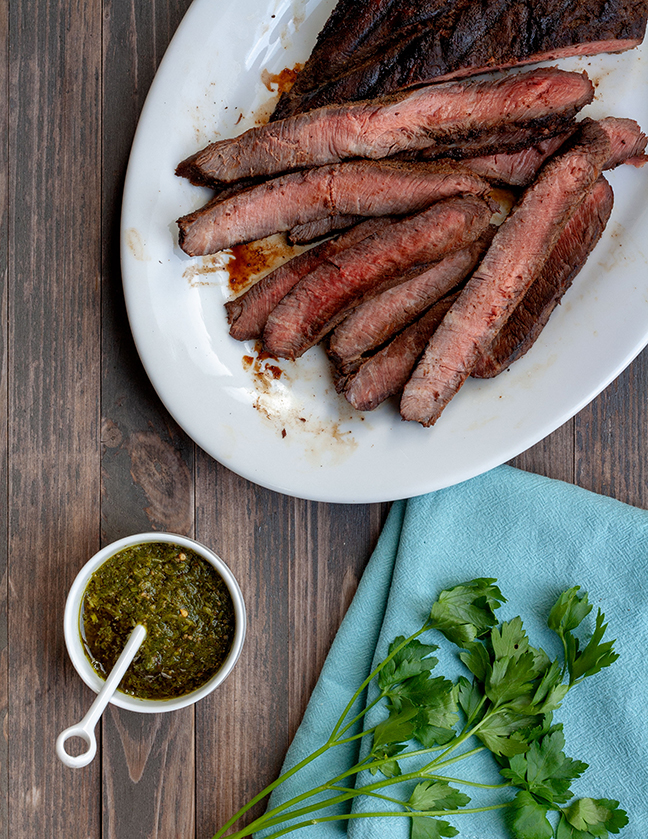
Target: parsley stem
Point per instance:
(359, 716)
(371, 795)
(469, 783)
(332, 741)
(276, 817)
(367, 681)
(440, 763)
(378, 814)
(267, 790)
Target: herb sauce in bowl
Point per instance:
(181, 599)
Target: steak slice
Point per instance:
(374, 322)
(248, 313)
(627, 140)
(310, 310)
(433, 116)
(370, 49)
(512, 168)
(527, 321)
(387, 372)
(302, 234)
(361, 187)
(517, 168)
(517, 256)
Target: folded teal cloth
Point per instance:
(537, 537)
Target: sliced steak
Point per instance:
(386, 373)
(515, 259)
(627, 140)
(517, 168)
(388, 46)
(302, 234)
(501, 139)
(433, 116)
(527, 321)
(309, 311)
(361, 187)
(373, 323)
(520, 168)
(248, 313)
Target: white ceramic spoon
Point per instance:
(85, 728)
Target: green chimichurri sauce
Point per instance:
(182, 601)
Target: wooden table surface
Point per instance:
(89, 454)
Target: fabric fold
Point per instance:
(537, 537)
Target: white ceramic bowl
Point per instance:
(72, 631)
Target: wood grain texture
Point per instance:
(53, 388)
(298, 564)
(4, 593)
(88, 454)
(552, 457)
(147, 462)
(612, 456)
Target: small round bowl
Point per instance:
(72, 630)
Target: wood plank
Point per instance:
(611, 433)
(4, 185)
(54, 385)
(147, 462)
(552, 457)
(298, 564)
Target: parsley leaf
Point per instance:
(411, 660)
(567, 614)
(437, 795)
(424, 827)
(434, 796)
(529, 819)
(397, 728)
(594, 657)
(569, 611)
(470, 697)
(589, 817)
(502, 733)
(466, 612)
(545, 770)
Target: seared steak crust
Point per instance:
(368, 49)
(527, 321)
(440, 116)
(315, 304)
(515, 259)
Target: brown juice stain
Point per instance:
(199, 274)
(327, 437)
(281, 82)
(254, 260)
(276, 83)
(136, 245)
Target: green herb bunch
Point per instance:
(506, 708)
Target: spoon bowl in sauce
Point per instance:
(189, 602)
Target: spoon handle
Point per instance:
(85, 728)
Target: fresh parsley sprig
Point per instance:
(506, 708)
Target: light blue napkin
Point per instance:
(538, 537)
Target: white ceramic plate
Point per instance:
(293, 433)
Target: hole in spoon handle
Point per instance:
(76, 760)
